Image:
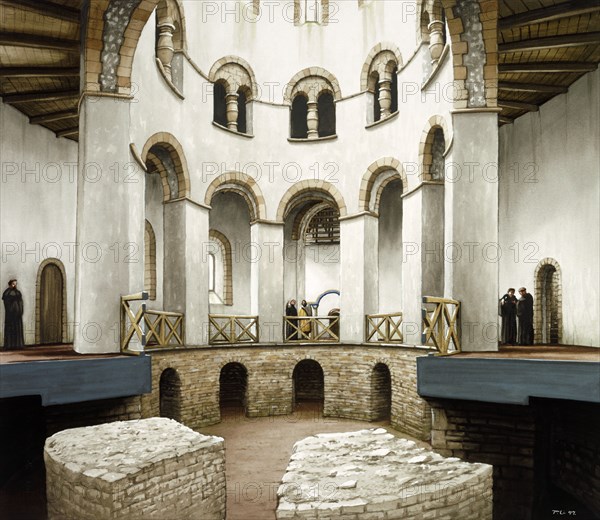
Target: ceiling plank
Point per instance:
(60, 12)
(549, 66)
(40, 95)
(39, 42)
(38, 72)
(518, 105)
(551, 42)
(505, 120)
(67, 131)
(53, 116)
(546, 14)
(531, 87)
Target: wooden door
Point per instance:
(51, 305)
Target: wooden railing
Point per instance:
(148, 327)
(383, 327)
(233, 329)
(441, 324)
(311, 329)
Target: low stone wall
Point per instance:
(151, 468)
(371, 475)
(348, 376)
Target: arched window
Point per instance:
(242, 116)
(380, 80)
(170, 41)
(150, 261)
(326, 112)
(211, 272)
(298, 119)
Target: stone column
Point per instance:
(312, 120)
(385, 97)
(164, 46)
(267, 279)
(185, 278)
(109, 259)
(472, 179)
(231, 99)
(358, 275)
(436, 40)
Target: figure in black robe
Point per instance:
(291, 333)
(13, 317)
(525, 316)
(508, 311)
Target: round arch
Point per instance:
(243, 185)
(547, 313)
(38, 299)
(213, 75)
(308, 72)
(172, 146)
(376, 178)
(169, 403)
(378, 49)
(306, 187)
(226, 251)
(426, 142)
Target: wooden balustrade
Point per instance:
(148, 327)
(384, 328)
(311, 329)
(233, 329)
(441, 324)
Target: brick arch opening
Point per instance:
(308, 382)
(233, 386)
(548, 303)
(381, 392)
(244, 186)
(376, 178)
(310, 191)
(433, 146)
(170, 394)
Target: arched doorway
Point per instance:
(548, 303)
(170, 394)
(51, 302)
(233, 386)
(381, 392)
(309, 383)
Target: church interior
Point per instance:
(273, 219)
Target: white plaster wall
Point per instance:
(549, 193)
(322, 270)
(155, 215)
(38, 202)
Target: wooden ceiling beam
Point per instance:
(53, 116)
(549, 66)
(67, 131)
(518, 105)
(38, 42)
(531, 87)
(546, 14)
(40, 95)
(38, 72)
(551, 42)
(60, 12)
(505, 120)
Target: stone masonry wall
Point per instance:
(501, 435)
(348, 372)
(152, 468)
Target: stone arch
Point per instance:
(309, 372)
(376, 178)
(173, 148)
(306, 187)
(243, 185)
(170, 385)
(150, 260)
(381, 49)
(320, 76)
(547, 314)
(426, 142)
(226, 251)
(233, 384)
(38, 299)
(237, 71)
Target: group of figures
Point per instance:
(513, 309)
(13, 317)
(298, 329)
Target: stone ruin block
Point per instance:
(151, 469)
(373, 475)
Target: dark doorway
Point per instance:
(381, 392)
(51, 305)
(233, 385)
(170, 395)
(309, 382)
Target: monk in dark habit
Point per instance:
(13, 317)
(291, 332)
(508, 311)
(525, 316)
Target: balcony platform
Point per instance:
(60, 375)
(513, 375)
